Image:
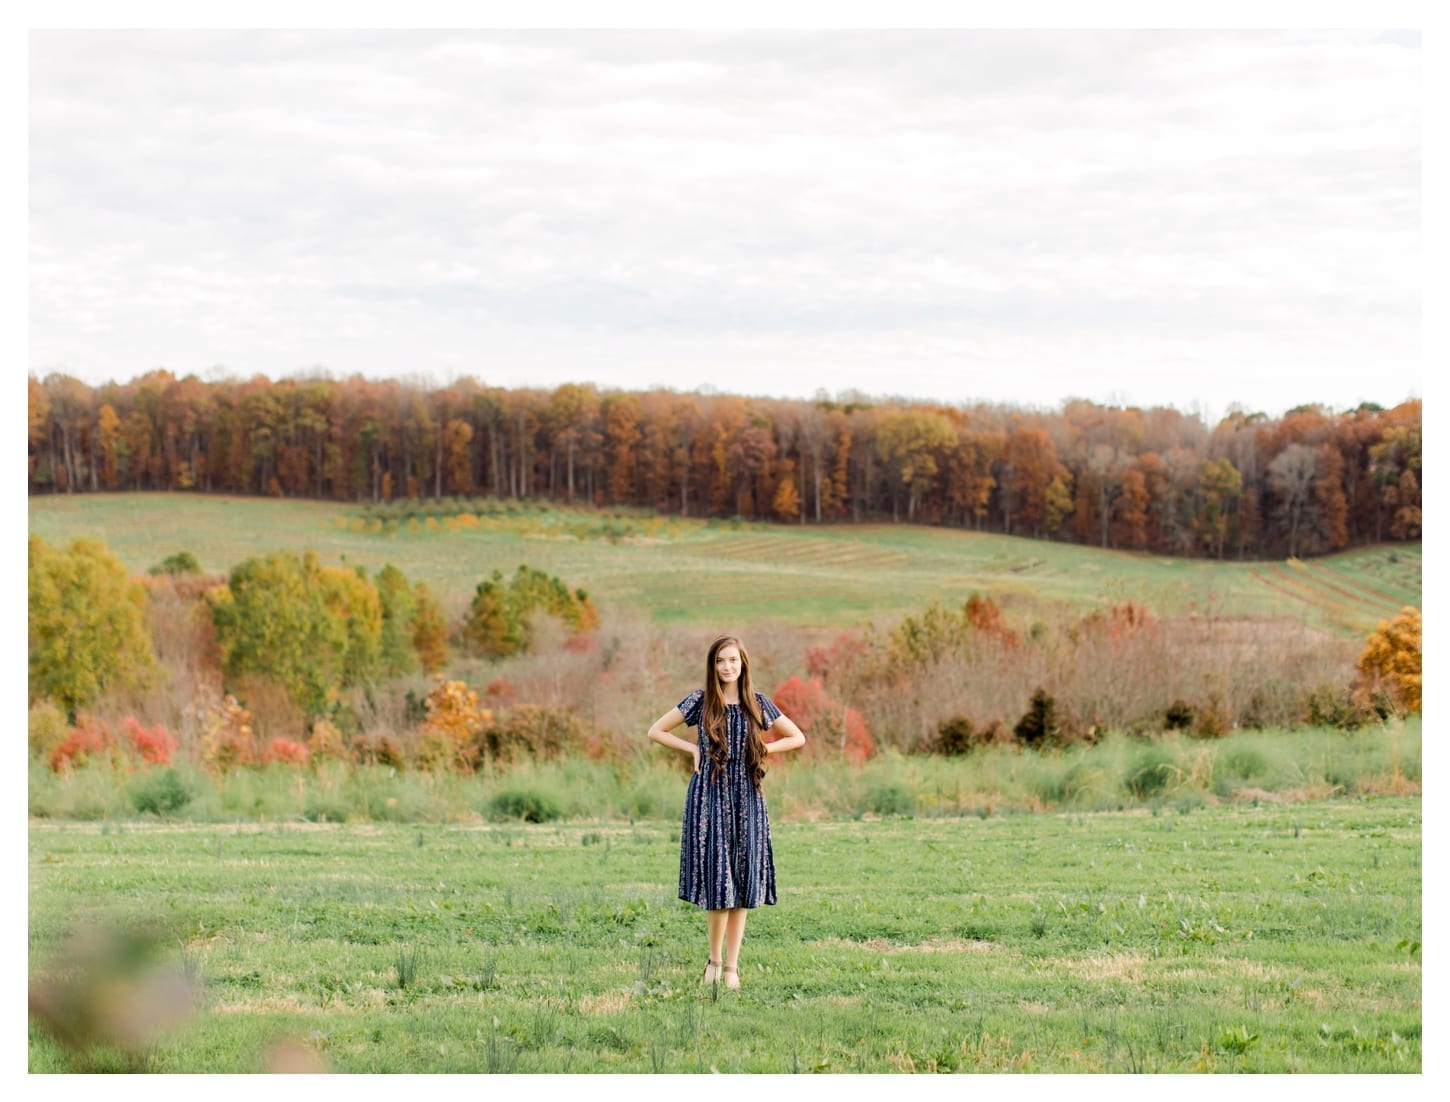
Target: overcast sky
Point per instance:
(1188, 218)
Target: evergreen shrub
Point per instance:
(1150, 772)
(532, 805)
(160, 792)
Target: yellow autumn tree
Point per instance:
(1391, 660)
(87, 624)
(908, 442)
(455, 719)
(313, 629)
(497, 622)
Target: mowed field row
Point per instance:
(1341, 599)
(791, 549)
(704, 573)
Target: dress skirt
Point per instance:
(725, 854)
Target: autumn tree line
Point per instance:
(1310, 482)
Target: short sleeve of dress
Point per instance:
(690, 707)
(768, 711)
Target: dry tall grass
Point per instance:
(1231, 673)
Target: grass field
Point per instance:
(1216, 939)
(691, 571)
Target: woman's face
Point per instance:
(727, 664)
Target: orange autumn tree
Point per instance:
(430, 630)
(449, 735)
(1036, 486)
(1391, 661)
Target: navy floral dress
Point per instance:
(725, 855)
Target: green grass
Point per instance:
(1276, 938)
(691, 571)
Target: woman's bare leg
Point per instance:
(715, 926)
(734, 935)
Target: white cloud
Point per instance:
(1162, 217)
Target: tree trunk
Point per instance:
(801, 516)
(438, 462)
(70, 482)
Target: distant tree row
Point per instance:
(1309, 482)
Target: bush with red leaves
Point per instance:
(89, 739)
(826, 723)
(287, 752)
(845, 655)
(155, 745)
(500, 692)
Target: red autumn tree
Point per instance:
(829, 727)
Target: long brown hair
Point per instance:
(713, 714)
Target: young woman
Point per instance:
(726, 864)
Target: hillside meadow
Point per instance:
(695, 572)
